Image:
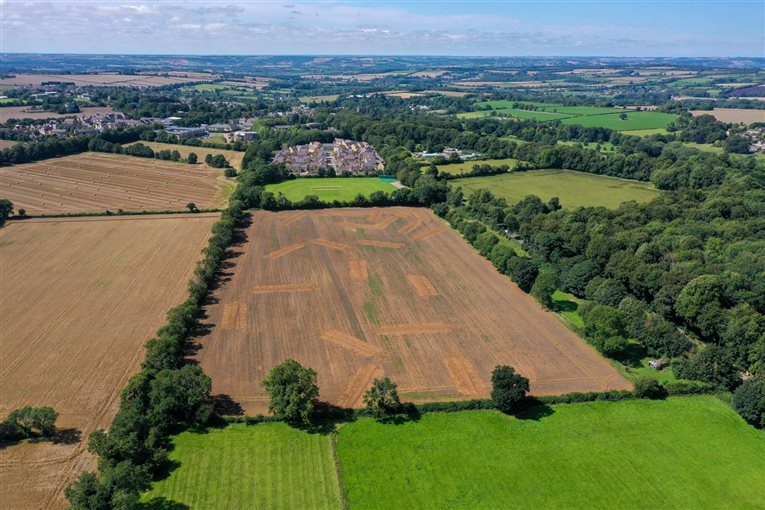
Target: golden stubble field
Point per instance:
(95, 182)
(78, 299)
(361, 293)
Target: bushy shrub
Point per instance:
(648, 387)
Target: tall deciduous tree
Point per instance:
(509, 389)
(292, 389)
(382, 398)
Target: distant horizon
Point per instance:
(575, 28)
(382, 55)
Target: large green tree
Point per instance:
(382, 398)
(509, 389)
(292, 389)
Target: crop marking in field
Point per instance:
(464, 375)
(361, 380)
(380, 244)
(292, 219)
(234, 315)
(378, 225)
(330, 244)
(413, 329)
(288, 287)
(421, 285)
(410, 226)
(358, 269)
(284, 251)
(352, 343)
(428, 233)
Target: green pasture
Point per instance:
(330, 188)
(685, 452)
(268, 466)
(467, 166)
(635, 120)
(645, 132)
(575, 189)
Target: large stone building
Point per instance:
(340, 155)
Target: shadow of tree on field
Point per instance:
(534, 410)
(67, 436)
(162, 503)
(224, 405)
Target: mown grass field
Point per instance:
(589, 116)
(575, 189)
(270, 465)
(330, 188)
(466, 166)
(634, 121)
(691, 452)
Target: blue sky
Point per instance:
(562, 27)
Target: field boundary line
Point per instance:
(338, 469)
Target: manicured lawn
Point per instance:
(466, 166)
(634, 120)
(691, 452)
(574, 189)
(270, 465)
(664, 375)
(330, 188)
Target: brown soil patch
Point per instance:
(292, 219)
(377, 225)
(330, 244)
(234, 316)
(349, 342)
(284, 251)
(413, 329)
(428, 233)
(95, 182)
(467, 380)
(410, 226)
(289, 287)
(380, 244)
(78, 299)
(358, 269)
(421, 285)
(440, 348)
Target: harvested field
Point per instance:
(233, 157)
(98, 80)
(78, 299)
(94, 182)
(734, 115)
(26, 112)
(431, 314)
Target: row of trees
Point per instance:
(293, 390)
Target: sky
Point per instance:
(414, 27)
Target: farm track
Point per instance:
(431, 314)
(78, 299)
(93, 182)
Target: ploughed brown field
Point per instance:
(361, 293)
(95, 182)
(78, 299)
